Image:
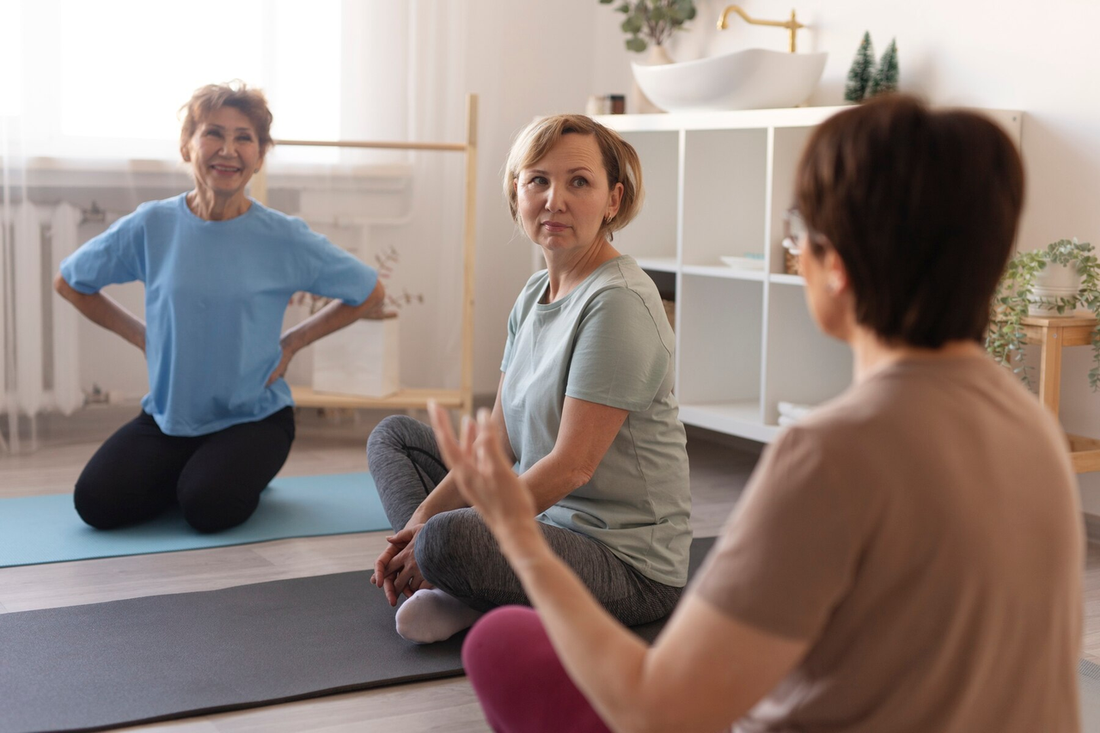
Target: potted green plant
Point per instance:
(649, 23)
(652, 21)
(1035, 284)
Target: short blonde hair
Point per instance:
(620, 160)
(236, 94)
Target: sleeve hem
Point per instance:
(617, 403)
(748, 620)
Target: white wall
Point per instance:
(1037, 58)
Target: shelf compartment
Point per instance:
(725, 173)
(802, 364)
(732, 418)
(652, 235)
(786, 146)
(719, 340)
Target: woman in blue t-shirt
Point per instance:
(219, 270)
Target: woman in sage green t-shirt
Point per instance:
(585, 405)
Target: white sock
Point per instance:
(430, 615)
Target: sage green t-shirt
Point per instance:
(608, 342)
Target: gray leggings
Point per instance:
(457, 553)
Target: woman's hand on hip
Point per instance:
(290, 347)
(485, 477)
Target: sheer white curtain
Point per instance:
(88, 113)
(404, 78)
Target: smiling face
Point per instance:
(224, 152)
(564, 198)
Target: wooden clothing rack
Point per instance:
(461, 398)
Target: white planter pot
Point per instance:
(639, 102)
(360, 360)
(1054, 282)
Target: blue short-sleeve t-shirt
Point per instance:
(215, 295)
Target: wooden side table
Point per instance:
(1052, 335)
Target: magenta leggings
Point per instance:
(518, 679)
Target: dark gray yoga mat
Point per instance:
(141, 660)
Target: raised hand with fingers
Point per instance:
(484, 475)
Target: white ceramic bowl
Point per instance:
(752, 79)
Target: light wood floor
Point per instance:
(718, 474)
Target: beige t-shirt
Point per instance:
(922, 531)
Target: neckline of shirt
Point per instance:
(561, 301)
(182, 201)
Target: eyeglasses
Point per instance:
(795, 232)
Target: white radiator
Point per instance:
(40, 369)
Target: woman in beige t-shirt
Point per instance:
(907, 558)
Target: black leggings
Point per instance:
(216, 478)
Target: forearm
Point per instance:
(545, 486)
(444, 497)
(106, 312)
(553, 478)
(331, 318)
(605, 660)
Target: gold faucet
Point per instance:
(791, 25)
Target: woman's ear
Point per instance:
(836, 274)
(614, 201)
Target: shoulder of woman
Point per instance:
(533, 288)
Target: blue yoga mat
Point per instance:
(43, 529)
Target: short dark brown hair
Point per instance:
(620, 160)
(236, 94)
(921, 206)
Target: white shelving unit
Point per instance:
(717, 184)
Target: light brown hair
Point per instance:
(236, 94)
(620, 160)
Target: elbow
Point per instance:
(373, 302)
(579, 476)
(377, 295)
(62, 287)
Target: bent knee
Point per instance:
(389, 433)
(448, 545)
(212, 511)
(498, 636)
(94, 509)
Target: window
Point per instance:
(107, 79)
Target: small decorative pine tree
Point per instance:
(863, 67)
(885, 79)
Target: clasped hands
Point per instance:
(395, 570)
(486, 481)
